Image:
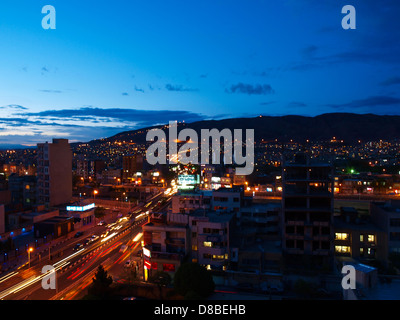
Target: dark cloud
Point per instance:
(178, 88)
(258, 89)
(14, 106)
(125, 93)
(139, 89)
(297, 104)
(134, 116)
(309, 52)
(371, 103)
(390, 81)
(267, 103)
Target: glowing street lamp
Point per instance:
(94, 194)
(29, 255)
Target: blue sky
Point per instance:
(111, 66)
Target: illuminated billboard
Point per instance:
(81, 208)
(188, 181)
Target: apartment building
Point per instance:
(210, 238)
(307, 212)
(54, 172)
(189, 201)
(360, 239)
(165, 245)
(386, 215)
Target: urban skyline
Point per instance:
(211, 150)
(115, 67)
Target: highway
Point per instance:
(75, 267)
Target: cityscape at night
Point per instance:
(210, 152)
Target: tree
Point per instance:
(304, 289)
(101, 282)
(161, 279)
(194, 279)
(99, 212)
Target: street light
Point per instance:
(94, 194)
(29, 255)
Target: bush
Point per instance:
(193, 280)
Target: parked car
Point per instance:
(78, 246)
(102, 223)
(78, 234)
(94, 237)
(87, 241)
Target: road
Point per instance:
(75, 268)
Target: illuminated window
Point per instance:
(342, 249)
(361, 237)
(207, 244)
(218, 257)
(371, 238)
(341, 236)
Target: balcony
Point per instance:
(166, 256)
(294, 251)
(175, 242)
(218, 251)
(321, 252)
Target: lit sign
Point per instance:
(147, 264)
(146, 252)
(188, 181)
(81, 208)
(215, 179)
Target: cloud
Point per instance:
(125, 93)
(258, 89)
(139, 89)
(51, 91)
(14, 106)
(309, 52)
(297, 104)
(374, 103)
(390, 81)
(267, 103)
(133, 117)
(178, 88)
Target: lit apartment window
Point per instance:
(207, 244)
(218, 257)
(361, 238)
(371, 238)
(341, 236)
(342, 249)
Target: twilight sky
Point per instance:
(111, 66)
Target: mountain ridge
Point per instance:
(344, 126)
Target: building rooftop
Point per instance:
(358, 224)
(390, 206)
(213, 216)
